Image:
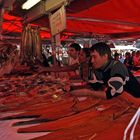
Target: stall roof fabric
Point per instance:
(113, 18)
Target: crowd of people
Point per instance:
(131, 59)
(106, 77)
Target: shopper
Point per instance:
(110, 78)
(73, 60)
(84, 64)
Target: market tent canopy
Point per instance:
(110, 18)
(116, 18)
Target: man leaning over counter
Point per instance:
(109, 78)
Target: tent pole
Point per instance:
(104, 21)
(53, 42)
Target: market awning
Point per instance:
(113, 18)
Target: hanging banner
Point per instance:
(58, 21)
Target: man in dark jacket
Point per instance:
(110, 77)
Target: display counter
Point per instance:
(38, 102)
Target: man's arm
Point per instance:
(89, 93)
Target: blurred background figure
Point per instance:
(121, 59)
(128, 61)
(84, 60)
(136, 58)
(73, 58)
(73, 53)
(116, 56)
(45, 55)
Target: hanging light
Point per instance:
(29, 4)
